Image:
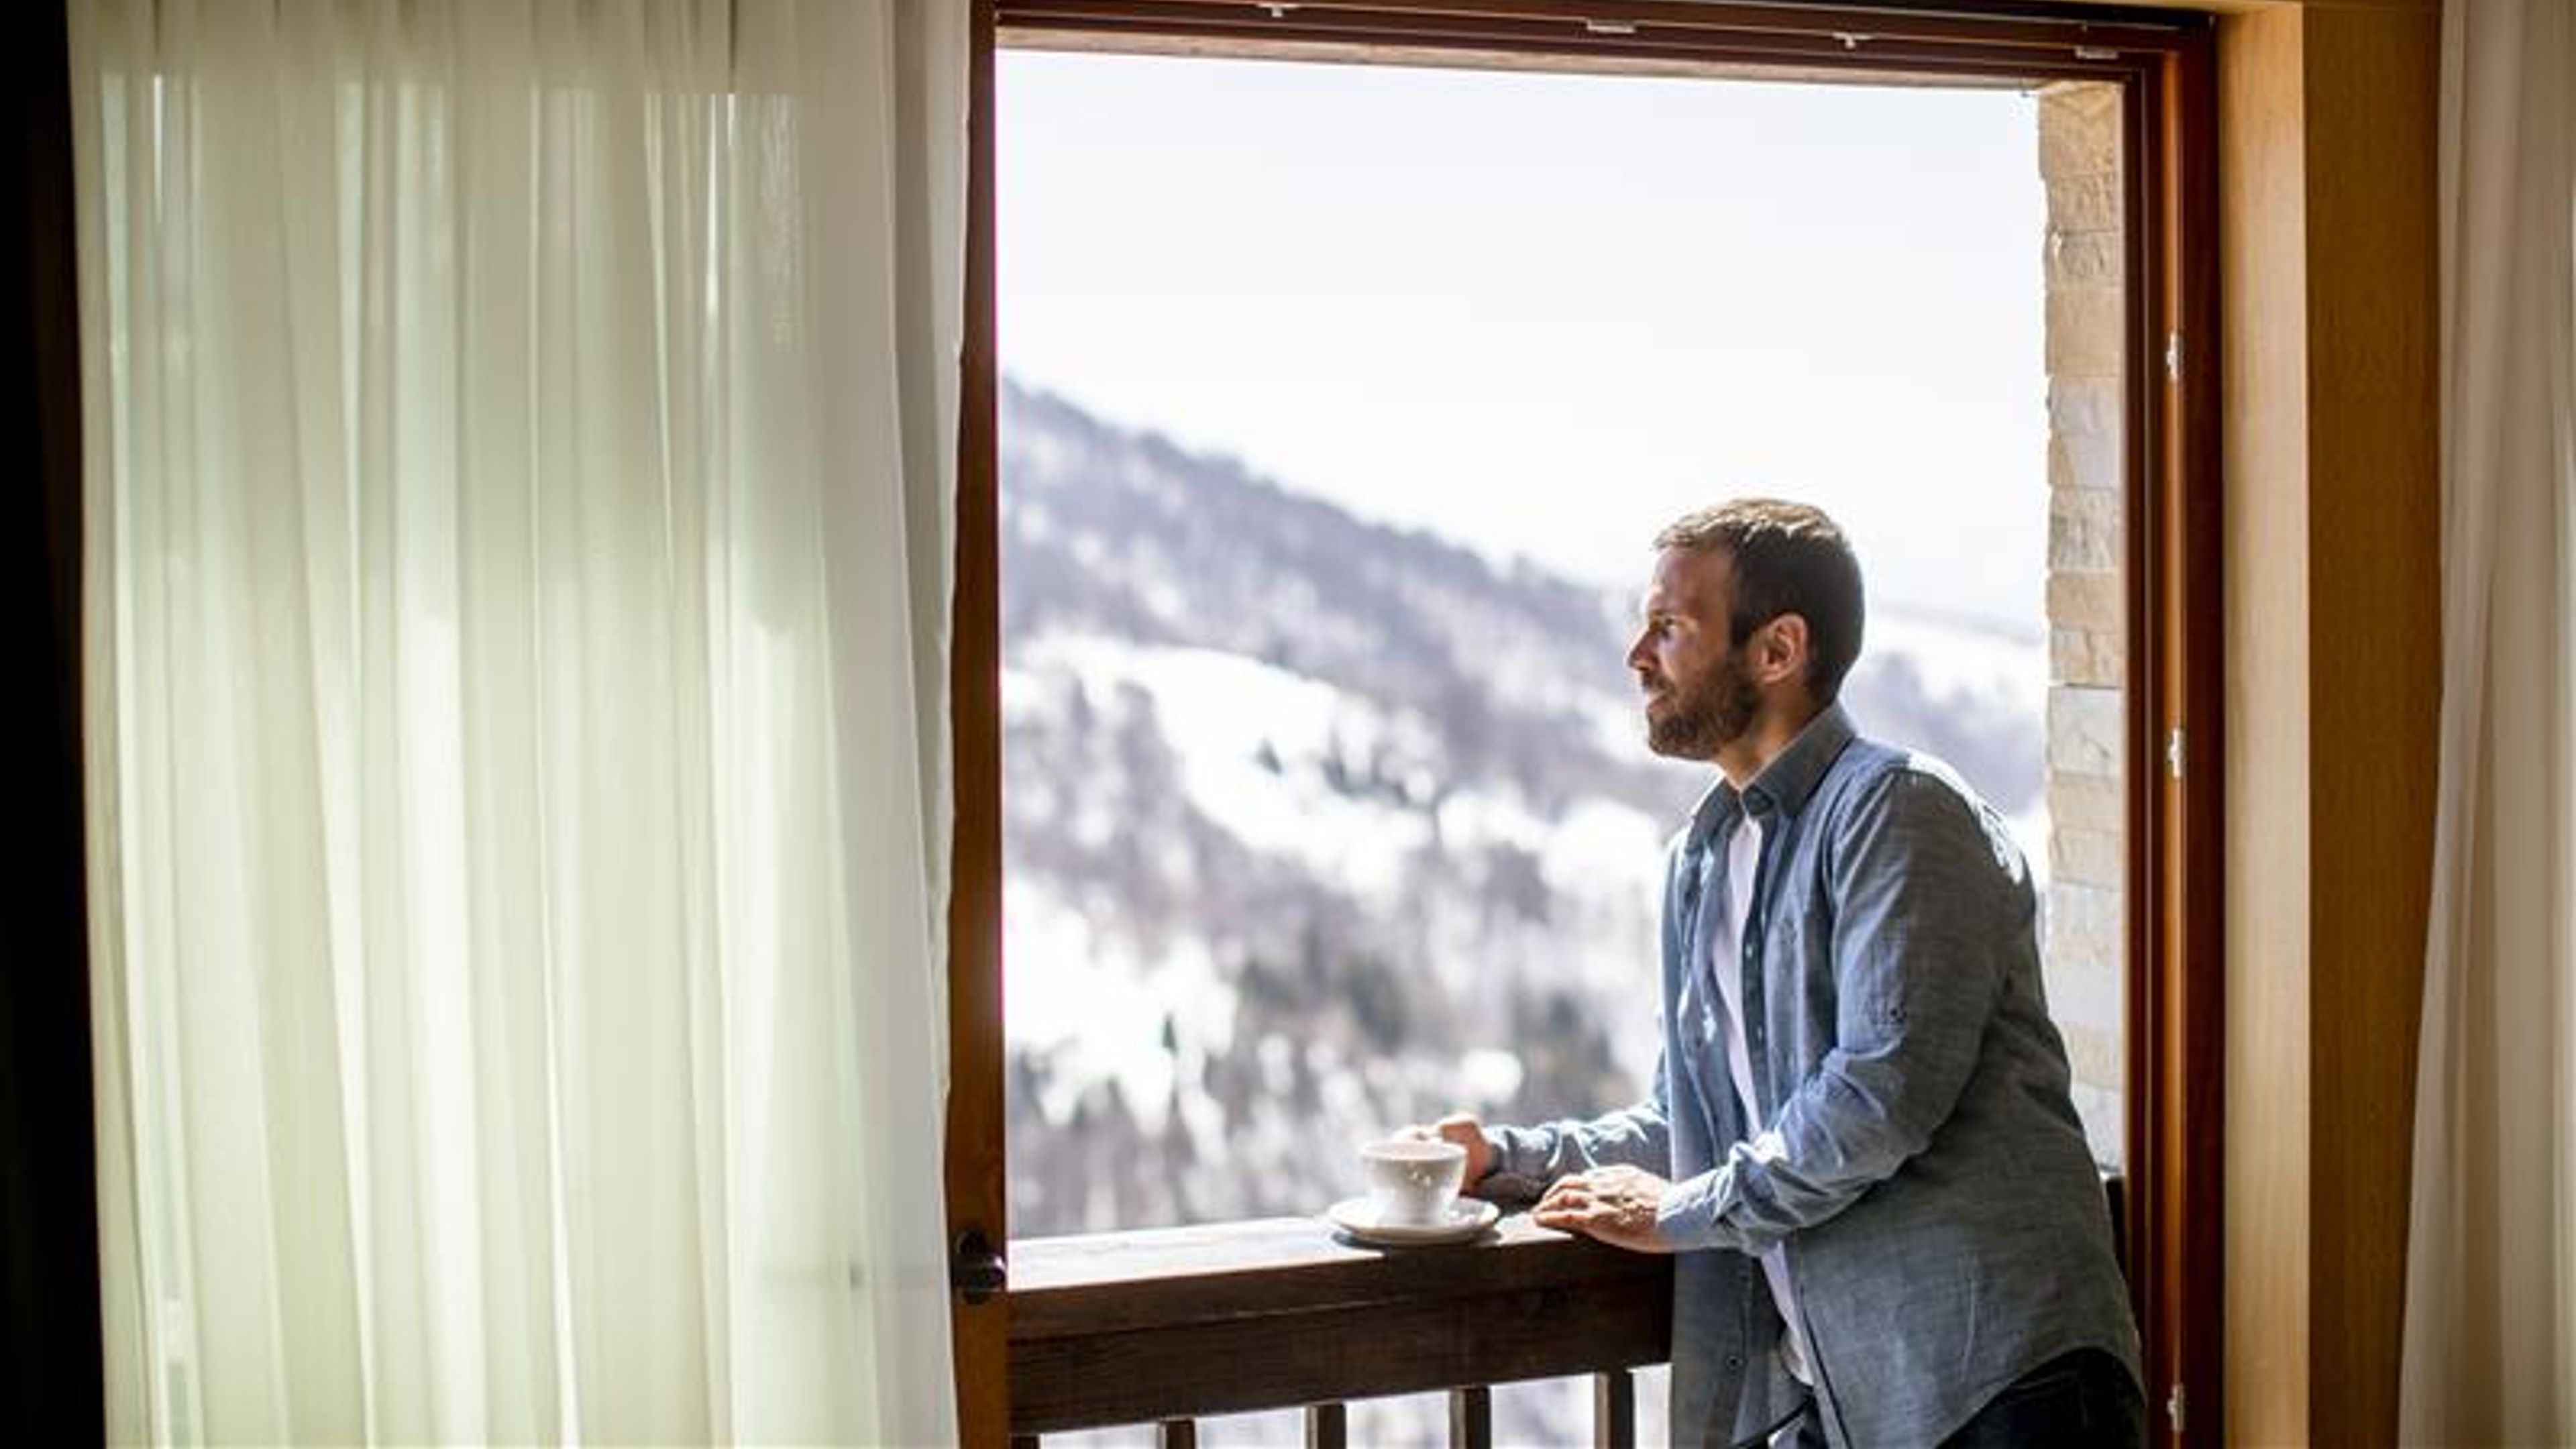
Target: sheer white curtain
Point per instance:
(2490, 1352)
(518, 447)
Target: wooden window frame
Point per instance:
(2164, 63)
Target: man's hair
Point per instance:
(1788, 558)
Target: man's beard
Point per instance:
(1707, 718)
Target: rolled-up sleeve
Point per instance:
(1923, 898)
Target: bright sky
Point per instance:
(1543, 314)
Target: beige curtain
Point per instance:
(519, 439)
(2490, 1349)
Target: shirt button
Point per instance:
(1735, 1360)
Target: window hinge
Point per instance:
(2173, 357)
(1609, 27)
(2174, 1408)
(2173, 752)
(2096, 52)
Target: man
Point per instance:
(1860, 1140)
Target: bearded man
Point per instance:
(1860, 1140)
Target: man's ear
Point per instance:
(1780, 650)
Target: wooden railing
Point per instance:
(1170, 1325)
(1165, 1326)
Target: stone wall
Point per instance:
(2085, 936)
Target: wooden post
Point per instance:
(1614, 1409)
(1471, 1418)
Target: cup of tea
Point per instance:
(1413, 1182)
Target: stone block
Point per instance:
(2080, 108)
(2084, 461)
(2073, 141)
(2086, 656)
(2072, 951)
(2106, 1126)
(2084, 331)
(2084, 530)
(2087, 407)
(2091, 912)
(2100, 1057)
(2090, 996)
(2087, 202)
(2085, 728)
(2087, 802)
(2078, 857)
(2083, 258)
(2085, 601)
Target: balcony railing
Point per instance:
(1171, 1325)
(1165, 1326)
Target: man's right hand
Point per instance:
(1463, 1129)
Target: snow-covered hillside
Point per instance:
(1315, 827)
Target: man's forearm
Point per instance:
(1847, 1129)
(1638, 1136)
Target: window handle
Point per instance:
(975, 1271)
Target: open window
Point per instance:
(2122, 515)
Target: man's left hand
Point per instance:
(1615, 1204)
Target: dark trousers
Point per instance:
(2079, 1400)
(2082, 1398)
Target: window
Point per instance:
(2146, 517)
(1325, 500)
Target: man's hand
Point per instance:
(1463, 1129)
(1615, 1204)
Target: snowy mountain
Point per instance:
(1314, 827)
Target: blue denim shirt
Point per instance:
(1915, 1150)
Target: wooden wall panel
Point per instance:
(2263, 290)
(2374, 590)
(2328, 136)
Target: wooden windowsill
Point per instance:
(1227, 1318)
(1135, 1327)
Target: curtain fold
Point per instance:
(2490, 1339)
(519, 443)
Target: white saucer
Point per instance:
(1466, 1218)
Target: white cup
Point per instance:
(1413, 1182)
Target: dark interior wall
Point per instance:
(53, 1387)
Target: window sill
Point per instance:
(1138, 1327)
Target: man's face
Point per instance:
(1700, 698)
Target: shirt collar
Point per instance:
(1783, 786)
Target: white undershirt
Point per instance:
(1743, 855)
